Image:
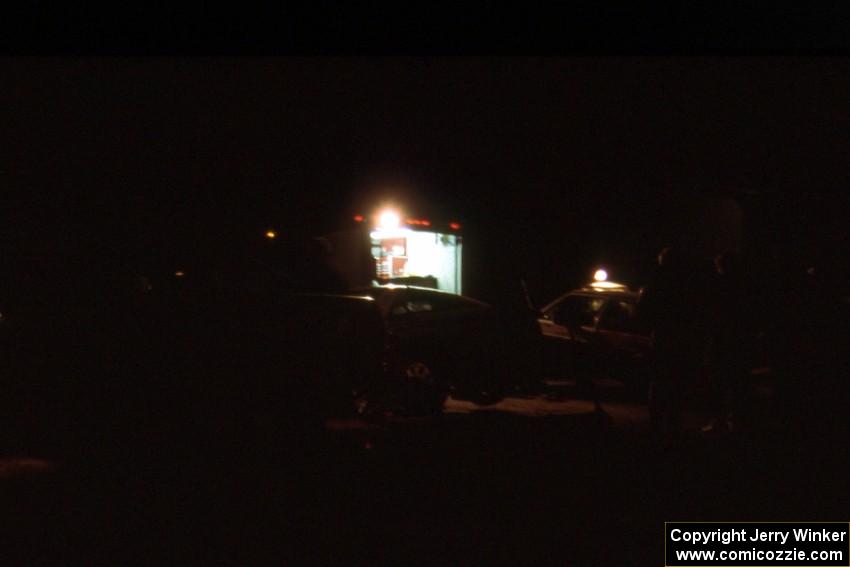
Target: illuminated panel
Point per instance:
(394, 233)
(403, 253)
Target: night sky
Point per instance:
(553, 164)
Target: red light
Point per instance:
(426, 222)
(454, 225)
(358, 218)
(418, 222)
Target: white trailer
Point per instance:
(387, 247)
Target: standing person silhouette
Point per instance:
(666, 307)
(729, 334)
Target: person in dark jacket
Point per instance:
(669, 311)
(729, 344)
(523, 339)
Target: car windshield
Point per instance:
(620, 316)
(579, 310)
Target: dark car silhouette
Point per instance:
(185, 359)
(440, 343)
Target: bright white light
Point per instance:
(600, 276)
(607, 285)
(389, 219)
(394, 233)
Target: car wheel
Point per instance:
(484, 383)
(491, 391)
(423, 389)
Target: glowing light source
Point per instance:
(454, 225)
(607, 285)
(391, 233)
(358, 218)
(600, 276)
(179, 274)
(389, 219)
(270, 234)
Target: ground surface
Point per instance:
(553, 478)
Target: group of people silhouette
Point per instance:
(700, 324)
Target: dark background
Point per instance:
(151, 142)
(553, 164)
